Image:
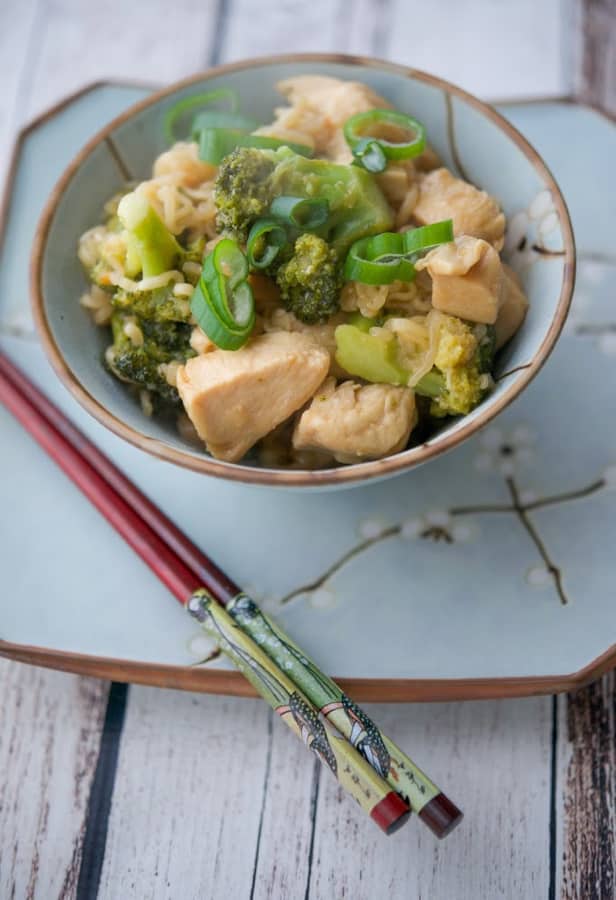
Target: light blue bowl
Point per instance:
(473, 140)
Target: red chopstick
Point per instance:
(180, 565)
(100, 467)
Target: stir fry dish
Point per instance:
(316, 291)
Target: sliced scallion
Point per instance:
(266, 239)
(388, 257)
(418, 240)
(223, 302)
(216, 143)
(298, 212)
(358, 132)
(190, 103)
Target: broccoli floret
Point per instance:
(243, 190)
(160, 305)
(249, 179)
(310, 281)
(139, 364)
(458, 380)
(460, 377)
(150, 246)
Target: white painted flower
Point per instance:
(505, 452)
(541, 206)
(538, 576)
(607, 343)
(593, 272)
(519, 250)
(269, 603)
(200, 645)
(322, 598)
(528, 496)
(529, 231)
(411, 528)
(371, 528)
(609, 477)
(439, 525)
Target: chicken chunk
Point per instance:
(235, 397)
(322, 334)
(336, 100)
(512, 310)
(467, 279)
(442, 196)
(319, 107)
(355, 422)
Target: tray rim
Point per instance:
(222, 681)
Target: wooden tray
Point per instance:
(490, 570)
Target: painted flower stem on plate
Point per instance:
(275, 685)
(443, 533)
(352, 722)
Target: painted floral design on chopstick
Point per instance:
(275, 684)
(334, 707)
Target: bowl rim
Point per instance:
(355, 472)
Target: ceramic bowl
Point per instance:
(473, 140)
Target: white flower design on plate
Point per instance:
(532, 231)
(439, 525)
(504, 452)
(609, 478)
(200, 646)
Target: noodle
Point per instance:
(98, 303)
(146, 284)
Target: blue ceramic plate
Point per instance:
(488, 573)
(473, 141)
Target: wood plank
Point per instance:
(287, 823)
(17, 23)
(596, 75)
(189, 791)
(494, 50)
(296, 26)
(586, 792)
(151, 43)
(50, 727)
(493, 758)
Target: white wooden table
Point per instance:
(130, 792)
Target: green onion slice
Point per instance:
(266, 239)
(370, 155)
(190, 103)
(300, 213)
(357, 132)
(389, 256)
(220, 118)
(378, 260)
(223, 302)
(216, 143)
(428, 236)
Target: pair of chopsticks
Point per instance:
(380, 777)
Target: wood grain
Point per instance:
(212, 797)
(286, 838)
(16, 26)
(586, 792)
(153, 42)
(188, 795)
(493, 49)
(596, 77)
(493, 759)
(50, 726)
(290, 26)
